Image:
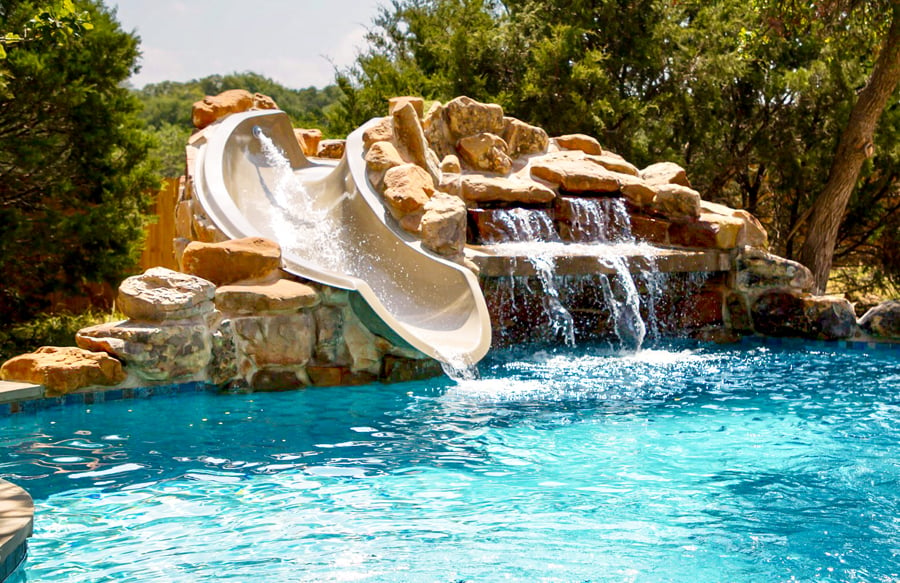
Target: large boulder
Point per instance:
(676, 202)
(476, 188)
(523, 139)
(752, 233)
(466, 117)
(281, 295)
(63, 369)
(438, 133)
(782, 312)
(484, 152)
(406, 189)
(574, 174)
(395, 103)
(665, 173)
(380, 131)
(231, 261)
(411, 143)
(882, 320)
(581, 142)
(332, 149)
(211, 108)
(380, 158)
(160, 294)
(274, 340)
(443, 225)
(308, 140)
(154, 351)
(755, 270)
(616, 163)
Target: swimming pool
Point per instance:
(679, 463)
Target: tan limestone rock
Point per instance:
(676, 201)
(574, 175)
(752, 233)
(582, 142)
(476, 188)
(412, 223)
(524, 139)
(410, 140)
(484, 152)
(467, 117)
(728, 229)
(161, 294)
(234, 260)
(615, 163)
(333, 149)
(395, 103)
(285, 339)
(308, 140)
(212, 108)
(361, 345)
(665, 173)
(381, 131)
(443, 225)
(380, 158)
(281, 295)
(450, 165)
(63, 369)
(261, 101)
(438, 133)
(635, 190)
(406, 189)
(154, 351)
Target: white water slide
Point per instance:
(253, 180)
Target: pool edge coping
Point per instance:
(16, 526)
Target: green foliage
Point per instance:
(167, 109)
(73, 161)
(47, 329)
(750, 97)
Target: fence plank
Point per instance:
(157, 250)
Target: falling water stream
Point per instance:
(600, 227)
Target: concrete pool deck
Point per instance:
(16, 525)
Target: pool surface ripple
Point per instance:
(678, 463)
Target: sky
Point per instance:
(293, 42)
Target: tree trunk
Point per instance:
(856, 144)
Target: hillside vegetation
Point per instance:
(167, 109)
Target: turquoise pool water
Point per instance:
(675, 464)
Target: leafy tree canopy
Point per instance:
(751, 97)
(73, 156)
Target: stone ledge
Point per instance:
(12, 391)
(510, 261)
(16, 524)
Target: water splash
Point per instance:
(302, 226)
(457, 367)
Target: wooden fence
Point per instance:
(160, 232)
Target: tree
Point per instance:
(751, 97)
(74, 163)
(856, 145)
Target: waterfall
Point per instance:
(599, 227)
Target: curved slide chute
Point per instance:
(252, 179)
